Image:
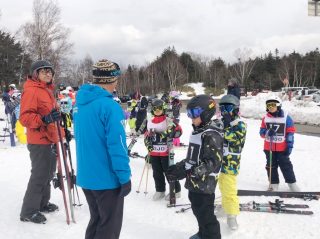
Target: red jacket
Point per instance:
(38, 100)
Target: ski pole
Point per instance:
(148, 166)
(270, 164)
(145, 165)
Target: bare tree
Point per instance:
(45, 36)
(244, 66)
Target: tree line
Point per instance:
(46, 38)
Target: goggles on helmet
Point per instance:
(194, 113)
(226, 108)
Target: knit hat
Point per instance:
(105, 72)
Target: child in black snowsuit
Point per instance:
(159, 128)
(202, 165)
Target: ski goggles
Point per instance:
(226, 108)
(194, 113)
(155, 108)
(271, 105)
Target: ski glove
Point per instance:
(125, 189)
(53, 116)
(271, 132)
(289, 141)
(148, 159)
(176, 172)
(68, 135)
(288, 152)
(226, 119)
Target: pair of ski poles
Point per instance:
(146, 165)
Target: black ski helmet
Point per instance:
(37, 65)
(206, 103)
(230, 100)
(158, 103)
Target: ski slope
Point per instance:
(144, 218)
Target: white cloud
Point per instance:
(138, 31)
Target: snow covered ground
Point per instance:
(144, 218)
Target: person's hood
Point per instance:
(35, 83)
(88, 93)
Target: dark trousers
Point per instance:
(43, 166)
(203, 208)
(106, 213)
(279, 159)
(160, 165)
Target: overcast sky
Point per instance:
(135, 32)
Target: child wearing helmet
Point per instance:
(277, 129)
(158, 130)
(234, 138)
(202, 164)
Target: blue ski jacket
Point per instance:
(102, 154)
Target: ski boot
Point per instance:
(293, 187)
(274, 187)
(232, 222)
(37, 217)
(50, 207)
(158, 196)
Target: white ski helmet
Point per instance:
(274, 98)
(13, 86)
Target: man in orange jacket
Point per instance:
(38, 114)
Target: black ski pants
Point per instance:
(203, 208)
(106, 213)
(43, 167)
(280, 159)
(160, 165)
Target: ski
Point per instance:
(11, 133)
(271, 209)
(276, 204)
(302, 195)
(139, 132)
(58, 182)
(172, 191)
(136, 155)
(179, 205)
(67, 172)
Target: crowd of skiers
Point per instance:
(103, 172)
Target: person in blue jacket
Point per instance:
(103, 169)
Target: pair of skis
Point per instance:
(172, 191)
(69, 197)
(270, 207)
(275, 207)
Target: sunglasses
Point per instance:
(271, 105)
(155, 108)
(194, 113)
(226, 108)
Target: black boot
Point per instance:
(50, 207)
(35, 218)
